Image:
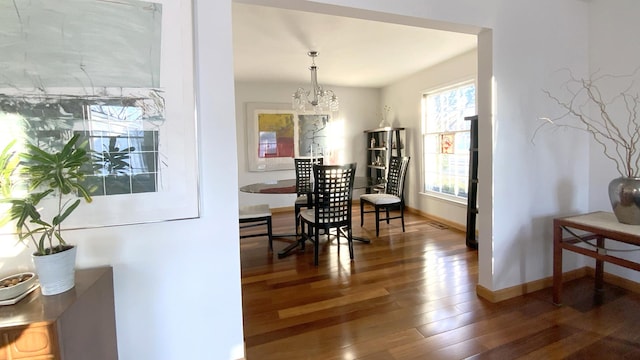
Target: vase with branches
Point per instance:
(607, 107)
(385, 119)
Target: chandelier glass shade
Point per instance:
(319, 99)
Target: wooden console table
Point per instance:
(77, 324)
(594, 229)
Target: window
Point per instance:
(446, 139)
(124, 147)
(268, 144)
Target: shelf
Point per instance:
(382, 144)
(472, 209)
(388, 128)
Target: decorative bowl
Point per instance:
(14, 285)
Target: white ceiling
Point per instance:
(271, 45)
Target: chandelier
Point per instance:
(321, 100)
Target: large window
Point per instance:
(446, 140)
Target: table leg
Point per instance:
(557, 264)
(600, 265)
(284, 252)
(287, 250)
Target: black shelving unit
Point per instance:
(472, 200)
(382, 143)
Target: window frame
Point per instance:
(423, 113)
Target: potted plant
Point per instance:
(46, 174)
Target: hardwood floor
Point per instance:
(412, 296)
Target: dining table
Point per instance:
(288, 186)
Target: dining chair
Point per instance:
(332, 198)
(393, 196)
(256, 215)
(304, 190)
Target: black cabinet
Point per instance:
(472, 200)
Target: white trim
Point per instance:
(445, 197)
(450, 85)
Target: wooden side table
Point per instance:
(592, 230)
(78, 324)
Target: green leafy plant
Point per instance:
(46, 173)
(112, 159)
(8, 165)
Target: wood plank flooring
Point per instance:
(412, 296)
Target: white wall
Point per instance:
(532, 183)
(358, 108)
(613, 49)
(405, 97)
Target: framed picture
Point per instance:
(271, 136)
(127, 89)
(276, 134)
(313, 135)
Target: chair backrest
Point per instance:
(304, 166)
(333, 193)
(397, 171)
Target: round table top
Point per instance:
(288, 186)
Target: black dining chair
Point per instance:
(332, 198)
(393, 196)
(304, 190)
(256, 215)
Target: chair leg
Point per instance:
(350, 242)
(297, 214)
(316, 244)
(361, 213)
(302, 234)
(270, 233)
(402, 216)
(338, 240)
(387, 212)
(377, 221)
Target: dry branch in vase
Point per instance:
(606, 106)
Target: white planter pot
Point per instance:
(56, 272)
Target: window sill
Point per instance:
(445, 198)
